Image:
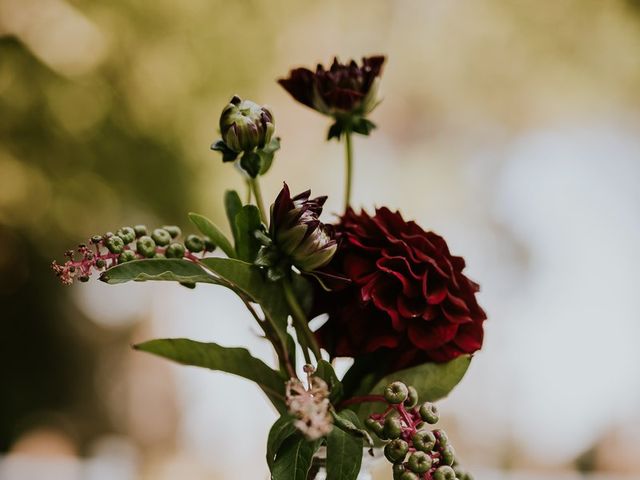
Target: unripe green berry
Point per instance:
(194, 243)
(419, 462)
(175, 250)
(140, 230)
(375, 426)
(146, 246)
(83, 278)
(100, 263)
(412, 397)
(126, 256)
(159, 255)
(443, 440)
(409, 476)
(209, 246)
(447, 455)
(161, 237)
(444, 472)
(392, 425)
(398, 470)
(396, 450)
(429, 413)
(127, 234)
(396, 392)
(173, 230)
(96, 239)
(424, 440)
(114, 244)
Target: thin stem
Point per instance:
(248, 191)
(348, 148)
(257, 193)
(305, 335)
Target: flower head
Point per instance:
(310, 407)
(346, 92)
(407, 296)
(245, 125)
(298, 236)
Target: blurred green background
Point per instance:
(107, 111)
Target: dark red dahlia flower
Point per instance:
(347, 92)
(407, 296)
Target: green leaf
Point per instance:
(348, 421)
(247, 222)
(237, 361)
(267, 154)
(232, 205)
(280, 431)
(251, 164)
(173, 269)
(294, 459)
(208, 228)
(344, 451)
(325, 371)
(433, 381)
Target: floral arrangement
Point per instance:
(397, 301)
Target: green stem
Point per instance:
(305, 335)
(257, 193)
(248, 191)
(348, 147)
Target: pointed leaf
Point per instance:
(348, 421)
(344, 452)
(232, 205)
(237, 361)
(294, 459)
(280, 431)
(325, 371)
(247, 223)
(170, 269)
(208, 228)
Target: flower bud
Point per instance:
(412, 398)
(444, 472)
(161, 237)
(126, 256)
(392, 425)
(429, 413)
(396, 450)
(424, 440)
(194, 243)
(396, 392)
(127, 234)
(419, 462)
(245, 125)
(146, 246)
(175, 250)
(114, 244)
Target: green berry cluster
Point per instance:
(416, 451)
(127, 244)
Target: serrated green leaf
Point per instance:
(282, 429)
(294, 458)
(171, 269)
(237, 361)
(325, 371)
(208, 228)
(232, 205)
(344, 451)
(247, 223)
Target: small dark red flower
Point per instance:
(407, 296)
(346, 92)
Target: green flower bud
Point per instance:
(392, 425)
(424, 440)
(140, 230)
(398, 470)
(448, 455)
(429, 413)
(100, 263)
(161, 237)
(396, 450)
(396, 392)
(245, 125)
(173, 230)
(444, 472)
(374, 426)
(114, 244)
(419, 462)
(209, 246)
(175, 250)
(127, 234)
(412, 398)
(194, 243)
(126, 256)
(409, 476)
(443, 440)
(146, 246)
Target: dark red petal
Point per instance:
(429, 335)
(470, 337)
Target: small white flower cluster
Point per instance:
(310, 406)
